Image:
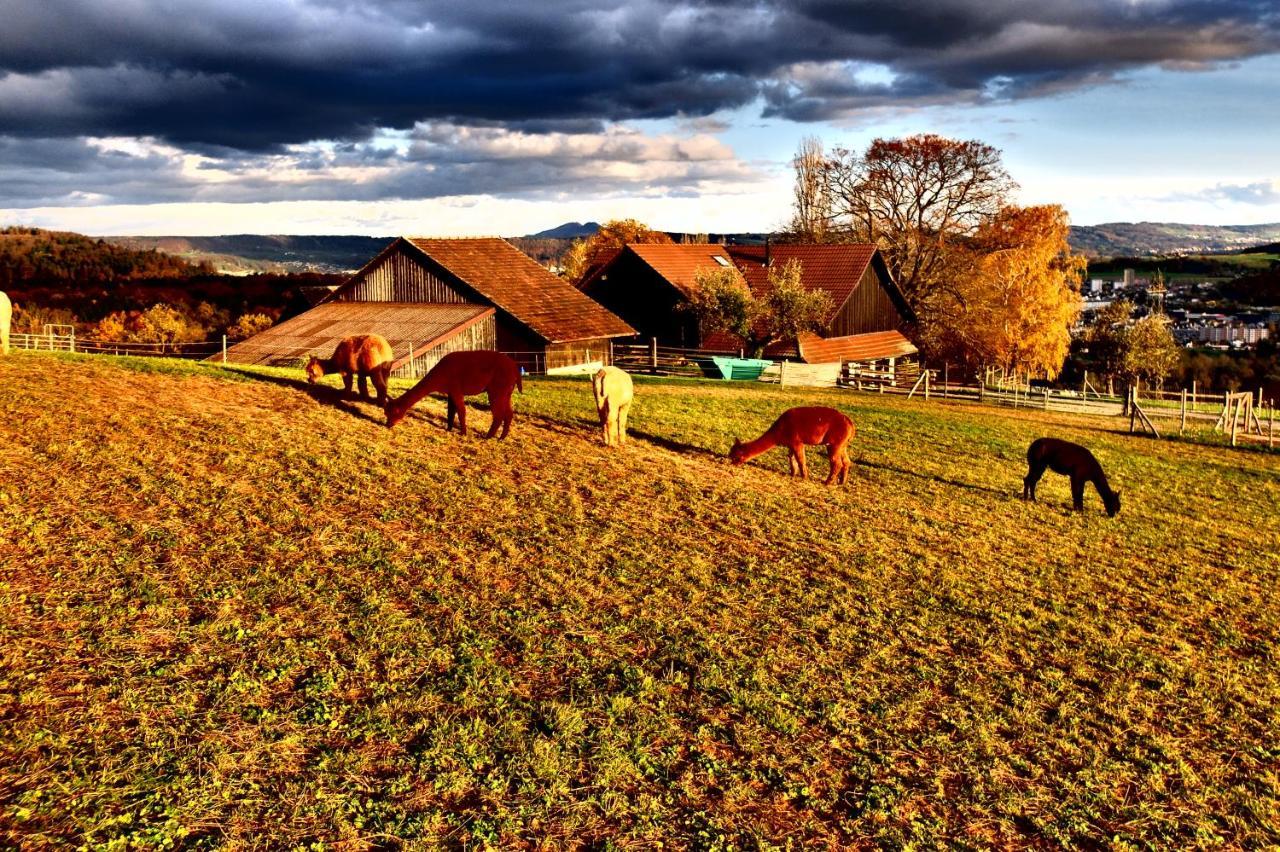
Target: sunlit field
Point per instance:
(236, 611)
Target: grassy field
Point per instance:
(233, 613)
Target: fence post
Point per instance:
(1271, 425)
(926, 385)
(946, 379)
(1133, 407)
(1183, 427)
(224, 350)
(1193, 393)
(610, 350)
(653, 355)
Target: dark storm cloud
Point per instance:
(246, 82)
(256, 75)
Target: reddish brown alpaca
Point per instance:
(365, 355)
(798, 427)
(463, 374)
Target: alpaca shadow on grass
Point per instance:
(323, 394)
(931, 477)
(673, 446)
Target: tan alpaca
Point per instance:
(6, 315)
(363, 356)
(613, 392)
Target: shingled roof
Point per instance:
(521, 287)
(872, 346)
(319, 330)
(678, 263)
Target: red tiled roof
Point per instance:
(873, 346)
(678, 263)
(837, 269)
(318, 331)
(523, 288)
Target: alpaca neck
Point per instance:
(327, 366)
(427, 386)
(751, 449)
(1100, 482)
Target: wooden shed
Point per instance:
(647, 284)
(429, 297)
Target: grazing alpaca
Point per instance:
(798, 427)
(614, 392)
(6, 314)
(1074, 461)
(365, 355)
(462, 374)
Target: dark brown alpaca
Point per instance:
(798, 427)
(462, 374)
(1074, 461)
(363, 355)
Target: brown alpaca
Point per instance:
(463, 374)
(798, 427)
(1074, 461)
(363, 355)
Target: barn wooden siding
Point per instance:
(480, 335)
(399, 278)
(869, 308)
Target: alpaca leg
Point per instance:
(801, 463)
(1077, 493)
(622, 422)
(606, 422)
(1029, 482)
(364, 386)
(380, 384)
(503, 415)
(459, 404)
(498, 408)
(833, 457)
(346, 383)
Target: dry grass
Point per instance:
(236, 614)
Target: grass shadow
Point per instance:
(323, 394)
(674, 446)
(942, 479)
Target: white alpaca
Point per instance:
(614, 393)
(6, 314)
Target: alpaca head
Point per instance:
(736, 452)
(394, 413)
(315, 369)
(1112, 502)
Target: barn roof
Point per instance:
(837, 269)
(318, 331)
(521, 287)
(678, 263)
(873, 346)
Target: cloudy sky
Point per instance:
(495, 116)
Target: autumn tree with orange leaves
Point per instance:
(613, 234)
(1010, 297)
(917, 198)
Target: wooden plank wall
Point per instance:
(400, 278)
(869, 308)
(481, 335)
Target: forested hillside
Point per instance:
(31, 256)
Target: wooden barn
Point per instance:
(429, 297)
(646, 284)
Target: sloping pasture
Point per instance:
(235, 611)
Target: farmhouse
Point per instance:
(647, 284)
(429, 297)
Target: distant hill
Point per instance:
(247, 253)
(1136, 239)
(31, 256)
(567, 231)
